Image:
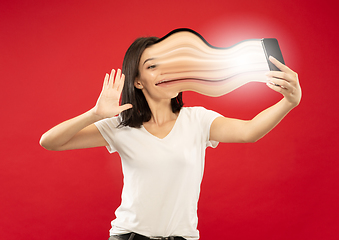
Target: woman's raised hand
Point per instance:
(108, 104)
(286, 82)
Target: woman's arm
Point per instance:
(80, 132)
(233, 130)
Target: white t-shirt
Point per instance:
(161, 176)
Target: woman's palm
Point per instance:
(108, 101)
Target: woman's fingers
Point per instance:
(121, 83)
(286, 74)
(111, 79)
(115, 79)
(281, 89)
(125, 107)
(280, 83)
(278, 75)
(285, 82)
(279, 65)
(106, 80)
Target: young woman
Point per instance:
(161, 144)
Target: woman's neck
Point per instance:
(161, 112)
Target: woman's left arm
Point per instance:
(234, 130)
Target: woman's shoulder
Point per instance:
(194, 112)
(195, 109)
(199, 112)
(110, 122)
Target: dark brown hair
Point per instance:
(140, 112)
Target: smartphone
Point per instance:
(271, 48)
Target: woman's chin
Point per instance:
(170, 91)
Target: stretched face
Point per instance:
(184, 62)
(151, 77)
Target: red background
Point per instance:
(53, 58)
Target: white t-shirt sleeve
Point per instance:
(206, 117)
(107, 127)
